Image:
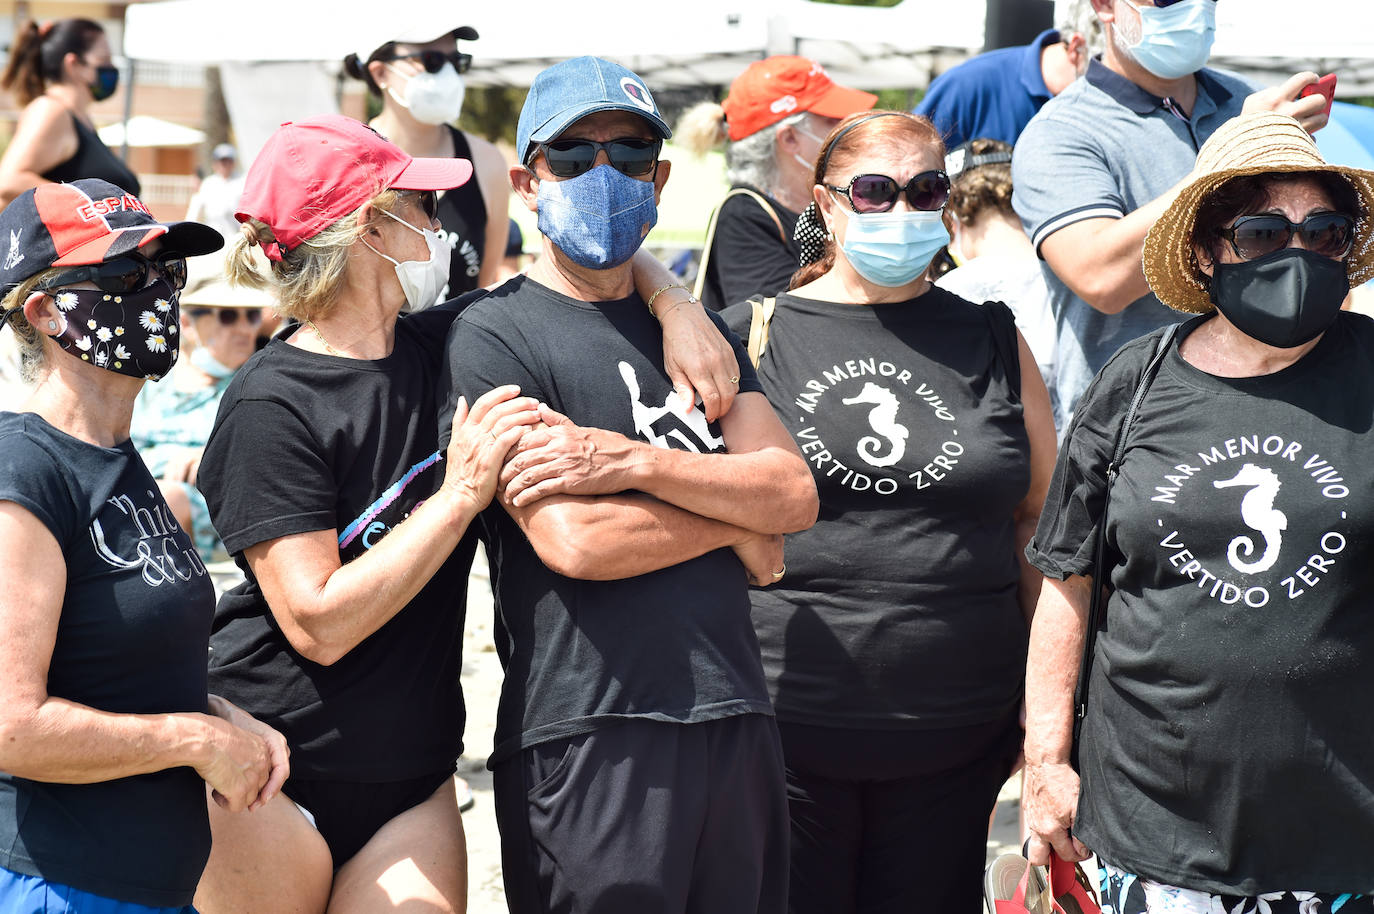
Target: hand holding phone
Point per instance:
(1326, 86)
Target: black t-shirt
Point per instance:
(899, 608)
(673, 645)
(307, 442)
(1227, 745)
(463, 225)
(748, 255)
(93, 159)
(130, 640)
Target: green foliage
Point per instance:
(492, 111)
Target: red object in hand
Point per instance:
(1325, 86)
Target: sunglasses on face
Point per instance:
(1163, 3)
(127, 273)
(428, 201)
(629, 156)
(878, 193)
(433, 61)
(228, 317)
(1329, 234)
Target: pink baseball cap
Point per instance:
(776, 87)
(312, 173)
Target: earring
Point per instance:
(52, 325)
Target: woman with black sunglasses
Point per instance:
(58, 70)
(108, 737)
(1225, 761)
(895, 646)
(416, 73)
(172, 421)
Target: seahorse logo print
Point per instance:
(1258, 511)
(883, 420)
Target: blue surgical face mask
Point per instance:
(598, 219)
(892, 249)
(1176, 40)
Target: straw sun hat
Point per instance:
(1249, 144)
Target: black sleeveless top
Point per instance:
(463, 225)
(93, 159)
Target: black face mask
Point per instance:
(1283, 299)
(106, 81)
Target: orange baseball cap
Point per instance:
(778, 87)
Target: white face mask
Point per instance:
(422, 281)
(432, 98)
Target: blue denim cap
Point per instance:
(575, 88)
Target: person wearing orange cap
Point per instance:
(775, 117)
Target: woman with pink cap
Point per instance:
(326, 482)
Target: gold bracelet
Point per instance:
(661, 289)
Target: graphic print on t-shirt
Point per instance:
(153, 548)
(658, 424)
(856, 427)
(1225, 513)
(376, 522)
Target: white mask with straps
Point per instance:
(431, 98)
(422, 281)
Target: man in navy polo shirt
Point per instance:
(994, 95)
(1101, 161)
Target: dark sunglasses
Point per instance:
(126, 273)
(429, 202)
(433, 61)
(228, 317)
(1163, 3)
(629, 156)
(1329, 234)
(878, 193)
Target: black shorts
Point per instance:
(348, 813)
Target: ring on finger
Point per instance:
(735, 379)
(777, 575)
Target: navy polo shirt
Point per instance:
(991, 95)
(1103, 148)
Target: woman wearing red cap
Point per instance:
(58, 70)
(777, 113)
(326, 483)
(108, 738)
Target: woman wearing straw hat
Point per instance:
(172, 420)
(1225, 756)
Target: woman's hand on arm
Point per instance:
(696, 357)
(1039, 419)
(326, 608)
(44, 138)
(1050, 796)
(278, 753)
(44, 738)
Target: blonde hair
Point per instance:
(33, 359)
(308, 278)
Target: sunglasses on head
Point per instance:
(228, 317)
(1329, 234)
(126, 273)
(630, 156)
(878, 193)
(433, 61)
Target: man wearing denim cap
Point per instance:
(637, 765)
(1102, 160)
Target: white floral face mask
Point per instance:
(134, 333)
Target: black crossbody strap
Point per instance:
(1095, 601)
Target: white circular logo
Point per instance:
(637, 94)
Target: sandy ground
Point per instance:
(481, 685)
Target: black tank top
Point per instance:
(93, 159)
(463, 225)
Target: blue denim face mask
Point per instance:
(598, 219)
(1176, 40)
(892, 249)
